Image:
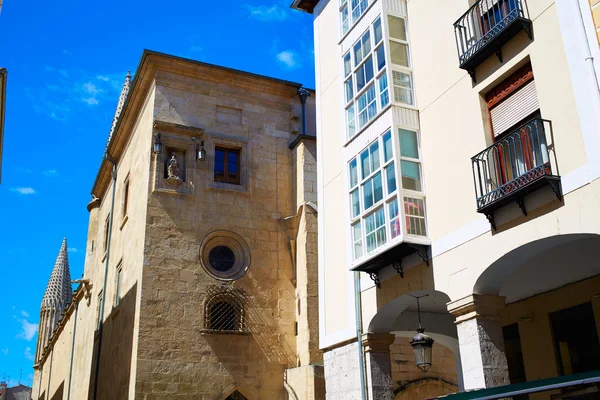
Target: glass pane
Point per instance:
(393, 209)
(353, 173)
(374, 150)
(368, 194)
(364, 164)
(349, 90)
(380, 57)
(355, 201)
(347, 64)
(399, 53)
(370, 223)
(408, 143)
(345, 21)
(383, 91)
(390, 174)
(377, 188)
(219, 164)
(357, 239)
(411, 175)
(402, 95)
(358, 54)
(362, 102)
(377, 34)
(360, 78)
(397, 28)
(371, 243)
(387, 146)
(368, 69)
(351, 122)
(366, 43)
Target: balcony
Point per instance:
(486, 27)
(516, 165)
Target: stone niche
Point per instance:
(174, 168)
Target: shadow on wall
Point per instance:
(116, 351)
(59, 394)
(254, 362)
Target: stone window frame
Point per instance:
(234, 143)
(118, 297)
(180, 140)
(236, 243)
(125, 201)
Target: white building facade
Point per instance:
(458, 163)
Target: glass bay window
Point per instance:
(365, 81)
(375, 211)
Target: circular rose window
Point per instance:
(225, 255)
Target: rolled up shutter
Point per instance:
(514, 108)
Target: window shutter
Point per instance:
(514, 108)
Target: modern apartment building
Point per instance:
(458, 190)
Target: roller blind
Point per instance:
(514, 108)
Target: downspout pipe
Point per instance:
(303, 93)
(72, 351)
(102, 303)
(358, 318)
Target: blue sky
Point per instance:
(66, 62)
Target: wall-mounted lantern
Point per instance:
(200, 151)
(157, 144)
(422, 343)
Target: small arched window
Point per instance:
(224, 310)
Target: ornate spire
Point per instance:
(56, 299)
(120, 104)
(58, 292)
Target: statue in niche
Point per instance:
(173, 168)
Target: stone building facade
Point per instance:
(200, 274)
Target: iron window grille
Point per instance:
(224, 310)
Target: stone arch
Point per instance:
(541, 265)
(424, 388)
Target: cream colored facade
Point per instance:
(480, 281)
(160, 336)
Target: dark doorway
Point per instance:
(576, 339)
(514, 356)
(236, 396)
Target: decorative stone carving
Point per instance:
(173, 170)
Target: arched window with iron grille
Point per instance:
(224, 310)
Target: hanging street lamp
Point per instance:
(422, 343)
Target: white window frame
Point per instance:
(386, 198)
(350, 77)
(398, 67)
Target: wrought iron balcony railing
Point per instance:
(486, 27)
(514, 166)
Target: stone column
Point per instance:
(378, 366)
(480, 340)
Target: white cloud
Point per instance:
(103, 78)
(288, 58)
(266, 13)
(29, 330)
(50, 173)
(23, 190)
(90, 88)
(67, 52)
(4, 351)
(25, 314)
(72, 249)
(92, 101)
(28, 354)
